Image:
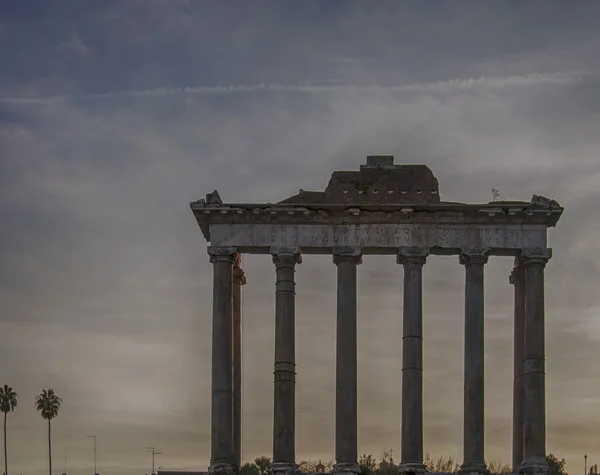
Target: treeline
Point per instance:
(386, 466)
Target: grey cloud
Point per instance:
(458, 84)
(156, 43)
(106, 287)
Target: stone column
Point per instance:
(284, 419)
(221, 459)
(474, 392)
(534, 415)
(517, 278)
(346, 410)
(413, 260)
(239, 279)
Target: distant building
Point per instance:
(388, 466)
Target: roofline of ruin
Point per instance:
(540, 211)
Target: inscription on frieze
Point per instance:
(443, 236)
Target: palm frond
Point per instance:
(48, 403)
(8, 399)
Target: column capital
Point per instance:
(412, 255)
(286, 255)
(222, 254)
(239, 277)
(535, 256)
(347, 253)
(237, 260)
(515, 276)
(474, 255)
(517, 273)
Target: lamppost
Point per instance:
(585, 464)
(153, 451)
(94, 437)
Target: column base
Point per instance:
(224, 468)
(474, 468)
(345, 468)
(284, 468)
(412, 467)
(535, 466)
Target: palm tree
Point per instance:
(48, 403)
(8, 402)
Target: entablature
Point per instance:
(437, 238)
(539, 212)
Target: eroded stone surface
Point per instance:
(380, 181)
(377, 238)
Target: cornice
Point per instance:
(540, 211)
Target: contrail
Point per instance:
(459, 84)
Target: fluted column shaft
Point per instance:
(474, 391)
(346, 410)
(222, 360)
(534, 417)
(517, 278)
(412, 260)
(284, 420)
(239, 279)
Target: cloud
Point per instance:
(112, 267)
(453, 85)
(104, 279)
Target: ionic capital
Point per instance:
(515, 276)
(346, 253)
(474, 255)
(239, 277)
(535, 256)
(412, 255)
(285, 256)
(222, 254)
(237, 261)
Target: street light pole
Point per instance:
(585, 466)
(94, 437)
(153, 451)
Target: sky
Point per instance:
(115, 115)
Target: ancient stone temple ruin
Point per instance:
(380, 209)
